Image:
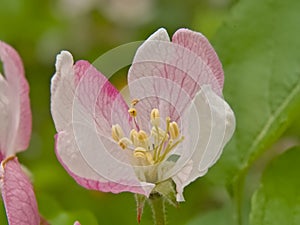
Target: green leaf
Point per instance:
(259, 48)
(217, 217)
(55, 214)
(81, 216)
(3, 219)
(277, 201)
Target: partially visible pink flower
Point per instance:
(15, 131)
(174, 129)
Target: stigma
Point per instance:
(152, 147)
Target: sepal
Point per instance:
(140, 203)
(167, 190)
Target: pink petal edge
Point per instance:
(104, 186)
(18, 195)
(82, 86)
(19, 104)
(198, 43)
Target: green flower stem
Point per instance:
(157, 204)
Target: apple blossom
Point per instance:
(15, 130)
(172, 131)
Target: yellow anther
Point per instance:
(168, 120)
(143, 139)
(139, 153)
(134, 136)
(142, 154)
(116, 132)
(142, 135)
(132, 112)
(134, 102)
(122, 145)
(124, 142)
(174, 130)
(155, 117)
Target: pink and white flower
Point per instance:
(15, 131)
(174, 129)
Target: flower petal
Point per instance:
(158, 66)
(16, 118)
(18, 196)
(4, 117)
(199, 44)
(211, 123)
(84, 108)
(62, 90)
(75, 164)
(82, 86)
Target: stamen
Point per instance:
(168, 120)
(143, 139)
(170, 147)
(149, 158)
(155, 117)
(134, 136)
(124, 142)
(134, 102)
(158, 132)
(142, 135)
(132, 112)
(143, 154)
(174, 130)
(139, 153)
(117, 132)
(152, 148)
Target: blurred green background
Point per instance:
(39, 30)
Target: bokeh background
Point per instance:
(39, 30)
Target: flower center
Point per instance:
(148, 148)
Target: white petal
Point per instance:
(107, 174)
(158, 67)
(62, 90)
(211, 124)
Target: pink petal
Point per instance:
(70, 157)
(167, 76)
(211, 124)
(18, 196)
(76, 223)
(4, 117)
(82, 86)
(84, 106)
(199, 44)
(17, 116)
